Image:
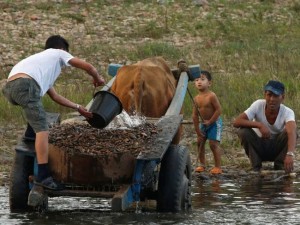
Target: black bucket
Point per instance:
(105, 107)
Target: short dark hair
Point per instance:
(58, 42)
(207, 74)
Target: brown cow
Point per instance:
(145, 88)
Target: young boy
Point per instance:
(33, 77)
(207, 107)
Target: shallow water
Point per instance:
(215, 201)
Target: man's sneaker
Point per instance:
(200, 169)
(36, 196)
(50, 184)
(216, 170)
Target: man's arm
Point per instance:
(66, 102)
(243, 121)
(291, 129)
(89, 68)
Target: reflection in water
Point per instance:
(256, 200)
(251, 200)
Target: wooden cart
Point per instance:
(162, 174)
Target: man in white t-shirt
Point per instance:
(268, 130)
(32, 78)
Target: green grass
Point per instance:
(168, 51)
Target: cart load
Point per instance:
(81, 154)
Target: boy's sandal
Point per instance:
(216, 170)
(200, 169)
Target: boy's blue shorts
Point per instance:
(213, 131)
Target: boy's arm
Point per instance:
(89, 68)
(200, 135)
(66, 102)
(196, 121)
(217, 107)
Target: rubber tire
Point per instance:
(19, 184)
(174, 185)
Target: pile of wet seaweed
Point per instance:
(84, 139)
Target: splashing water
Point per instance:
(124, 121)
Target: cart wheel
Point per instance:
(174, 186)
(19, 184)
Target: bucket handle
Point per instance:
(105, 85)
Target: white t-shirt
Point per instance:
(44, 67)
(257, 112)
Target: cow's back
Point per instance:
(146, 87)
(157, 62)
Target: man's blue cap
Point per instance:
(275, 86)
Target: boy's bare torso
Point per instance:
(204, 103)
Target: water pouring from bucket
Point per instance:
(105, 107)
(126, 121)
